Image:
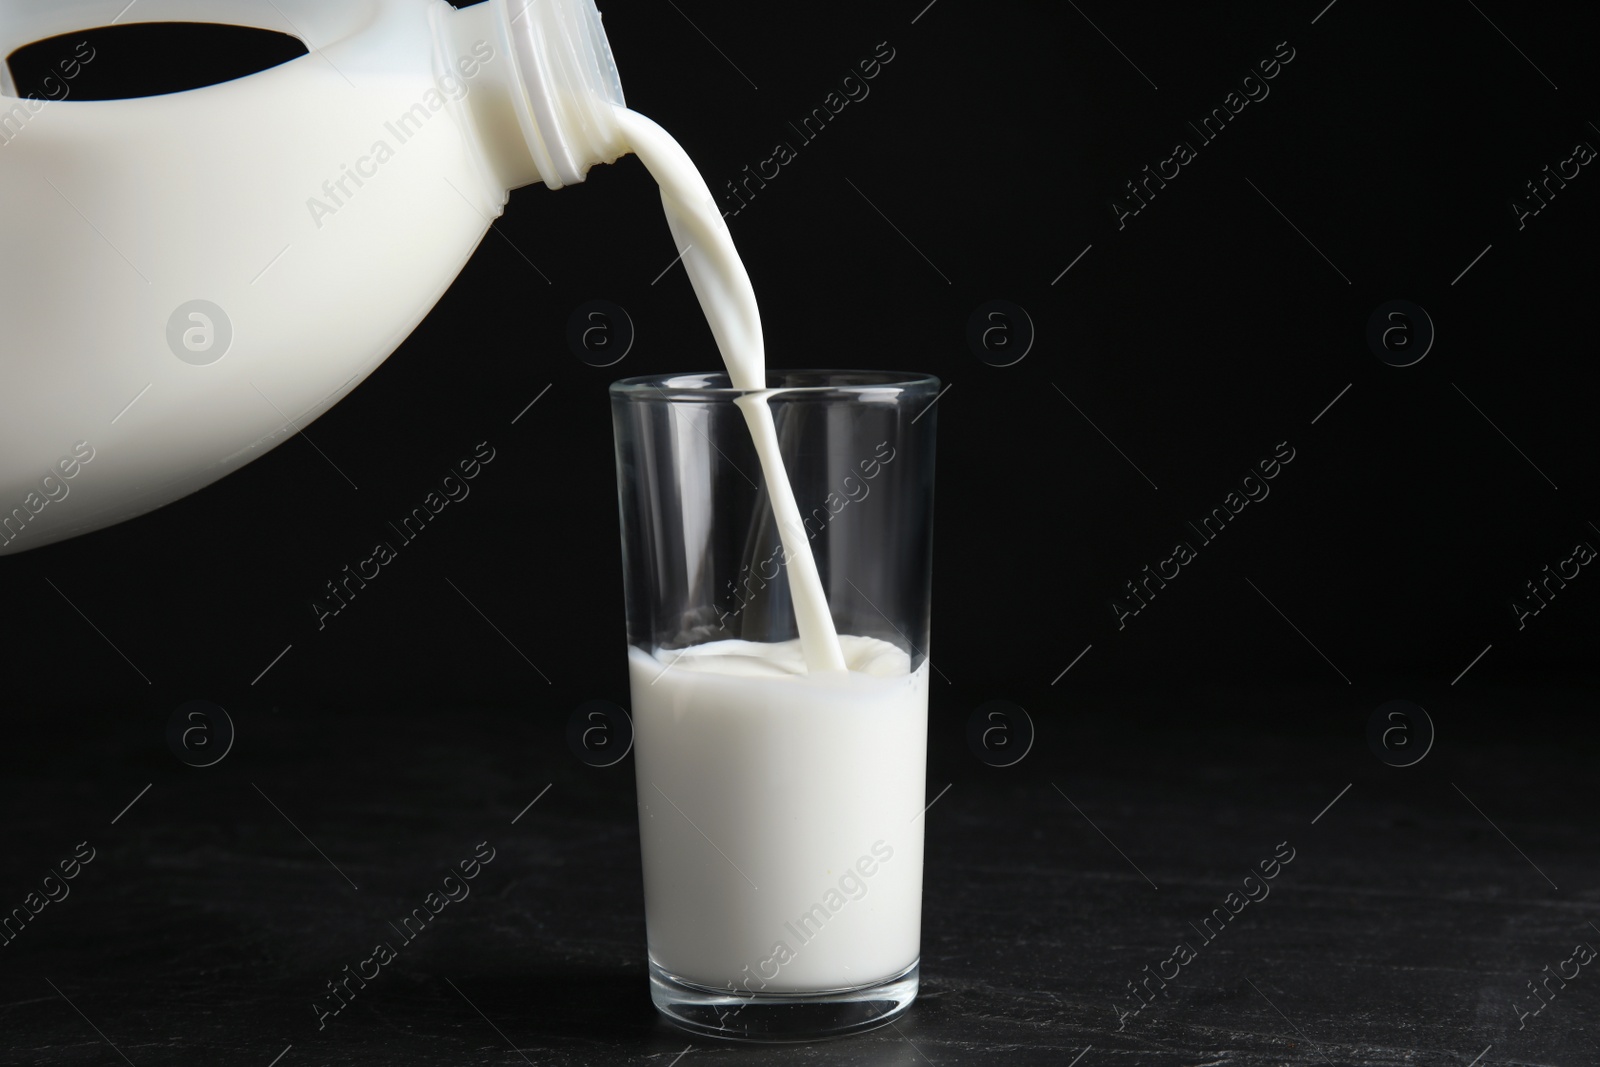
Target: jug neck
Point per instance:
(541, 106)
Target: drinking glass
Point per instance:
(780, 808)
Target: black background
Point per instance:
(1219, 321)
(1195, 338)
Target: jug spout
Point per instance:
(547, 114)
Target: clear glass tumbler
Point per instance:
(780, 809)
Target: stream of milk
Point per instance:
(729, 300)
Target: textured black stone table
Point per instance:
(1417, 907)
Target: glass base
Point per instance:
(776, 1017)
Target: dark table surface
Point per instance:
(1404, 931)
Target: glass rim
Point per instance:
(715, 385)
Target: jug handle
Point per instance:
(316, 23)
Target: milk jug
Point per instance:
(190, 279)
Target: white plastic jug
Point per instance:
(190, 279)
